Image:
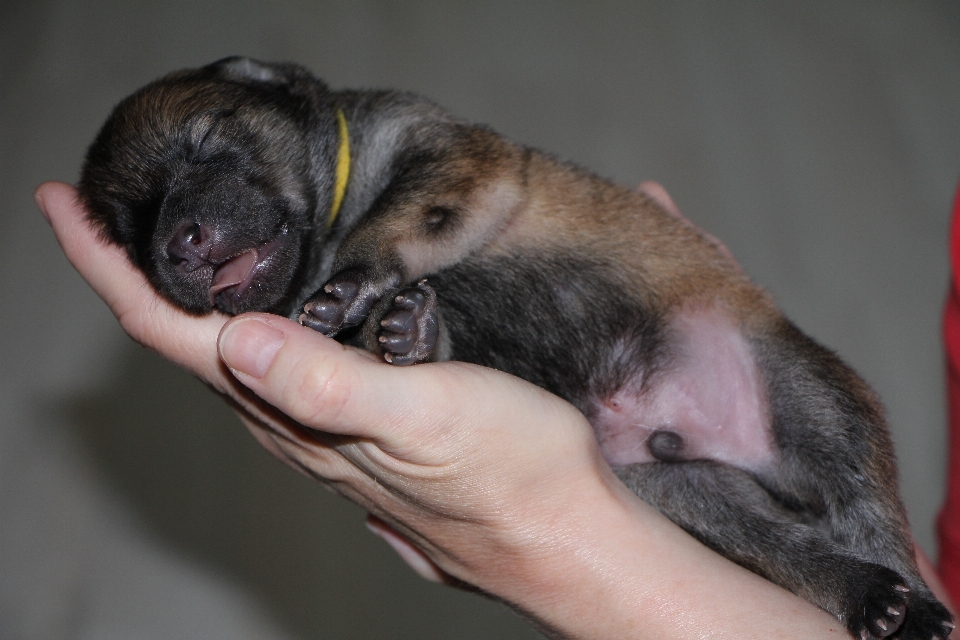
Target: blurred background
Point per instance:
(819, 140)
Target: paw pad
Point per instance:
(345, 301)
(410, 327)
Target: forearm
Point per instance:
(618, 569)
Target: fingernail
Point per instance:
(372, 528)
(410, 554)
(250, 346)
(41, 205)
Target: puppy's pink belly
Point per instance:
(711, 396)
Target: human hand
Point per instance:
(450, 443)
(496, 483)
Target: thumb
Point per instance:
(323, 385)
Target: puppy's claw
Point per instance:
(877, 603)
(926, 618)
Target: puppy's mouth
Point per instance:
(235, 277)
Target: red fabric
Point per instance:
(948, 524)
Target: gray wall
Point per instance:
(820, 141)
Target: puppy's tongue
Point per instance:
(233, 272)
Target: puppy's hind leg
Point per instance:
(836, 456)
(727, 510)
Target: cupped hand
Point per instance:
(474, 476)
(435, 451)
(474, 466)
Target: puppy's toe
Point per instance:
(410, 328)
(344, 301)
(926, 619)
(878, 603)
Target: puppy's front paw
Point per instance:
(877, 603)
(927, 619)
(410, 328)
(345, 301)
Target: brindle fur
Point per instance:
(532, 266)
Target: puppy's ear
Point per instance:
(248, 69)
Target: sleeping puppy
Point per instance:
(378, 218)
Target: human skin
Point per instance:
(504, 489)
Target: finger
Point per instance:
(656, 192)
(150, 320)
(659, 195)
(314, 453)
(324, 385)
(414, 557)
(263, 436)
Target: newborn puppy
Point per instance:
(378, 218)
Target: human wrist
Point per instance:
(616, 568)
(561, 563)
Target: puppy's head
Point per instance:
(211, 179)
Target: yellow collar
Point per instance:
(343, 168)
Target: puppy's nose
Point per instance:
(189, 248)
